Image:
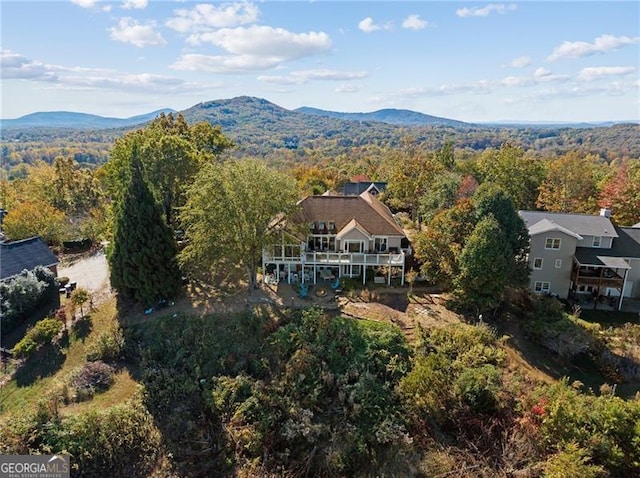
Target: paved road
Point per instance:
(91, 273)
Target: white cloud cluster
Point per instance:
(597, 72)
(519, 62)
(601, 44)
(139, 4)
(85, 3)
(500, 8)
(304, 76)
(414, 22)
(205, 16)
(138, 34)
(14, 66)
(252, 48)
(367, 25)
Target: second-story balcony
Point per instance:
(289, 255)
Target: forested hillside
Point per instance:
(263, 129)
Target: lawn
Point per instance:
(50, 367)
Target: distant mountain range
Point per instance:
(397, 117)
(68, 119)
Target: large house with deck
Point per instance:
(338, 236)
(573, 254)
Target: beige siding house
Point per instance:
(572, 254)
(346, 236)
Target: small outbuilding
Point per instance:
(26, 254)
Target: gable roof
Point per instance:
(25, 254)
(545, 225)
(581, 224)
(366, 209)
(351, 225)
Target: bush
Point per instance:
(91, 378)
(107, 345)
(23, 294)
(42, 333)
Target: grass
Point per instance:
(37, 379)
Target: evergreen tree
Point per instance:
(485, 269)
(143, 260)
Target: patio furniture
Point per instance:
(336, 284)
(303, 291)
(326, 274)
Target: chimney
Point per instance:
(606, 212)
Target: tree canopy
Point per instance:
(231, 214)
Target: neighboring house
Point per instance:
(582, 254)
(360, 184)
(26, 254)
(345, 237)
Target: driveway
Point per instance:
(90, 272)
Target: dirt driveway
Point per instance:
(89, 272)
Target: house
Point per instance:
(360, 184)
(582, 254)
(26, 254)
(342, 236)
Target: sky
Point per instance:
(469, 61)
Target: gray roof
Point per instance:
(582, 224)
(627, 244)
(25, 254)
(366, 209)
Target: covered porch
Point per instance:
(604, 277)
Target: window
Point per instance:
(542, 287)
(552, 243)
(558, 263)
(331, 225)
(596, 241)
(380, 244)
(537, 263)
(320, 225)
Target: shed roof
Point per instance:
(26, 254)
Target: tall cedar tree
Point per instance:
(485, 269)
(143, 260)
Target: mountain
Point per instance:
(68, 119)
(391, 116)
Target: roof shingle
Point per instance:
(25, 254)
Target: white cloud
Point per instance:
(601, 44)
(206, 16)
(139, 4)
(368, 26)
(15, 66)
(140, 35)
(304, 76)
(263, 46)
(500, 8)
(347, 88)
(19, 67)
(540, 75)
(224, 64)
(596, 72)
(520, 62)
(413, 22)
(541, 72)
(85, 3)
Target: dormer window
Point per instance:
(320, 225)
(597, 240)
(331, 225)
(312, 226)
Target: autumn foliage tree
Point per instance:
(621, 194)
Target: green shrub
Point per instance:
(42, 333)
(106, 346)
(91, 378)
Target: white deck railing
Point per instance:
(339, 258)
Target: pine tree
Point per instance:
(143, 260)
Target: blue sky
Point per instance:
(471, 61)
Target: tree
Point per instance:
(621, 194)
(569, 185)
(442, 194)
(517, 174)
(439, 245)
(171, 153)
(143, 259)
(35, 218)
(78, 298)
(231, 214)
(491, 199)
(486, 266)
